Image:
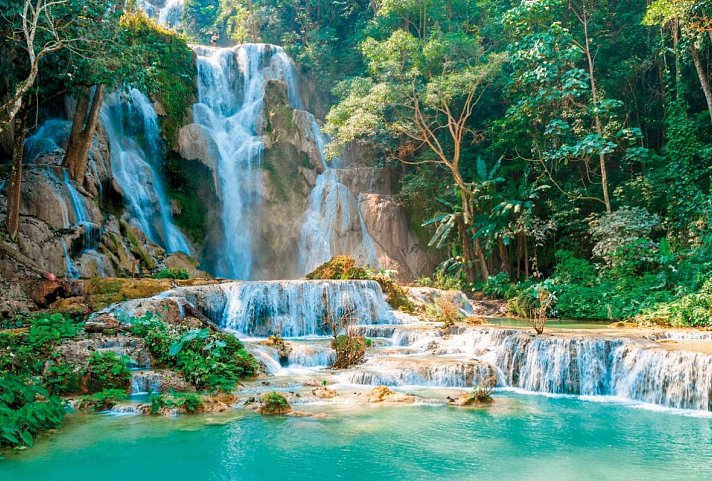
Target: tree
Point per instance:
(688, 21)
(36, 29)
(426, 78)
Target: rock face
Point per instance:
(398, 247)
(195, 142)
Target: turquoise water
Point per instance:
(521, 438)
(552, 323)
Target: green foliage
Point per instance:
(26, 409)
(172, 274)
(24, 351)
(168, 61)
(102, 400)
(497, 285)
(274, 403)
(190, 402)
(107, 371)
(213, 361)
(63, 378)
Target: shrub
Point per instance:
(108, 371)
(350, 350)
(172, 274)
(691, 310)
(102, 400)
(274, 403)
(63, 378)
(497, 285)
(215, 361)
(26, 408)
(191, 403)
(445, 310)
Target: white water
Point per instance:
(132, 127)
(51, 136)
(231, 90)
(297, 308)
(168, 15)
(409, 352)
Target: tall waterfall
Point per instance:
(231, 90)
(132, 127)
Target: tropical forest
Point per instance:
(378, 240)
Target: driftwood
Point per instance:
(191, 311)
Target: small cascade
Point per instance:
(70, 270)
(145, 382)
(132, 127)
(297, 308)
(303, 356)
(231, 90)
(167, 12)
(50, 137)
(417, 371)
(81, 216)
(61, 200)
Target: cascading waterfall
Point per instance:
(167, 13)
(51, 136)
(134, 165)
(297, 308)
(332, 212)
(231, 89)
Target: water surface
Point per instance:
(522, 438)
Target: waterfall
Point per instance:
(80, 211)
(231, 89)
(132, 126)
(50, 137)
(168, 13)
(330, 218)
(298, 308)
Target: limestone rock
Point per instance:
(398, 248)
(196, 142)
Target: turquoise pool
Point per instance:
(522, 437)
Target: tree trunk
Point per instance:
(469, 257)
(704, 80)
(484, 270)
(14, 190)
(503, 257)
(596, 116)
(526, 258)
(76, 158)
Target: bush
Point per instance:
(63, 378)
(274, 403)
(191, 403)
(350, 350)
(215, 361)
(102, 400)
(26, 409)
(497, 285)
(108, 371)
(173, 274)
(445, 310)
(692, 310)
